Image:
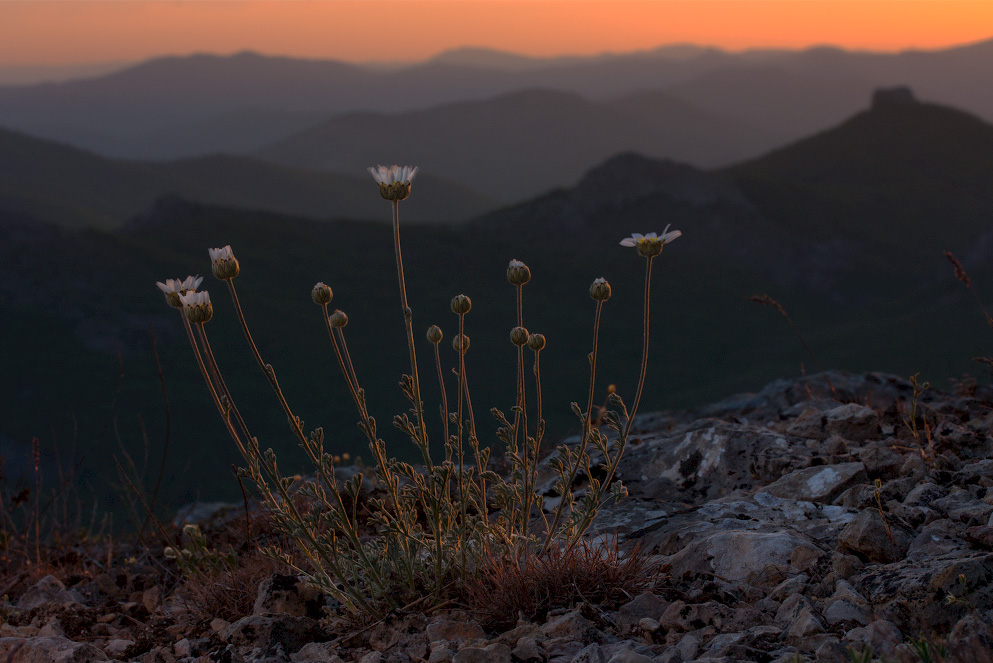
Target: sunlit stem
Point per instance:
(644, 354)
(538, 427)
(408, 321)
(459, 448)
(571, 476)
(474, 443)
(266, 369)
(520, 369)
(444, 401)
(222, 387)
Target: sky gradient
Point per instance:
(61, 32)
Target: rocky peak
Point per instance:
(900, 95)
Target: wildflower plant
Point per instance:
(424, 531)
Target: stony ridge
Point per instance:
(795, 524)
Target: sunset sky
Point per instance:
(60, 32)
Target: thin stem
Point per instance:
(644, 353)
(459, 448)
(266, 369)
(444, 400)
(408, 321)
(474, 442)
(520, 368)
(567, 488)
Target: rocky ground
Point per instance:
(791, 525)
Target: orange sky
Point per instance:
(51, 32)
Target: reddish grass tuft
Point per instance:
(598, 573)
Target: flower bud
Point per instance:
(197, 307)
(339, 319)
(519, 336)
(650, 248)
(461, 344)
(461, 304)
(600, 290)
(434, 334)
(223, 263)
(173, 288)
(395, 191)
(321, 294)
(518, 273)
(536, 342)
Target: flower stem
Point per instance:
(567, 488)
(444, 401)
(408, 321)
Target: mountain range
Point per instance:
(55, 183)
(183, 106)
(845, 228)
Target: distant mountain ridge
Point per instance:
(155, 109)
(55, 183)
(523, 143)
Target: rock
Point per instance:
(315, 652)
(845, 566)
(591, 653)
(818, 484)
(881, 635)
(868, 536)
(628, 655)
(52, 629)
(201, 512)
(721, 644)
(182, 648)
(708, 459)
(688, 646)
(117, 647)
(571, 626)
(881, 462)
(288, 595)
(291, 633)
(49, 650)
(644, 606)
(454, 631)
(441, 654)
(981, 536)
(47, 590)
(495, 653)
(846, 613)
(528, 650)
(971, 634)
(853, 422)
(157, 655)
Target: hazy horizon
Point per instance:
(60, 40)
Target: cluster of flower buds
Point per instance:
(223, 263)
(394, 181)
(434, 334)
(338, 319)
(536, 342)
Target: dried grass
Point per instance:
(595, 572)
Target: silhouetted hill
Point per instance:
(521, 144)
(70, 187)
(905, 174)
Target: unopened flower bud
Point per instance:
(518, 273)
(321, 294)
(223, 263)
(600, 290)
(339, 319)
(536, 342)
(519, 336)
(197, 307)
(461, 344)
(461, 304)
(434, 334)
